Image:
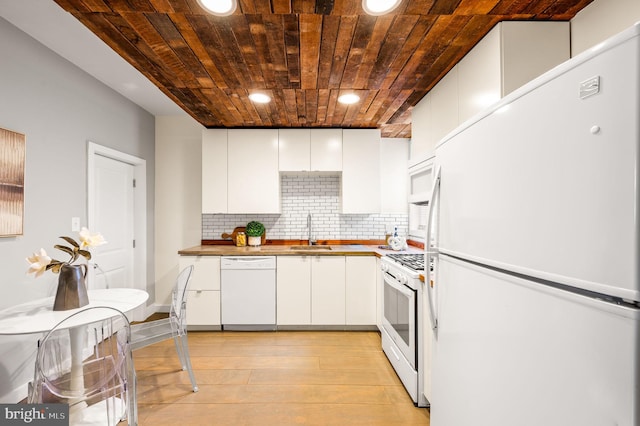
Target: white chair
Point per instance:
(174, 327)
(85, 361)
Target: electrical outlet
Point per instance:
(75, 224)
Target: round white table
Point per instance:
(38, 315)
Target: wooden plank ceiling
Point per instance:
(303, 53)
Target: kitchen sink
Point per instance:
(310, 248)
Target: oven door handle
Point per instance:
(432, 251)
(406, 291)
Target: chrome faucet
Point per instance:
(311, 240)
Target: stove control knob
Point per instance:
(403, 279)
(384, 267)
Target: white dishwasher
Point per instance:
(248, 292)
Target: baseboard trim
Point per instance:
(328, 327)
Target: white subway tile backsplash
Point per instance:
(301, 195)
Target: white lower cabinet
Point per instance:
(311, 291)
(328, 290)
(293, 302)
(203, 300)
(360, 290)
(203, 308)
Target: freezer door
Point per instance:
(547, 185)
(511, 352)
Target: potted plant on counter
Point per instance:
(255, 231)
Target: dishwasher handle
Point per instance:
(248, 262)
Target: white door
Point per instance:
(113, 213)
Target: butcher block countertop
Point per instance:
(293, 250)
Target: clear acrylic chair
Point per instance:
(85, 361)
(174, 327)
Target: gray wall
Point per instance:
(59, 108)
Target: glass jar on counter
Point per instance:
(241, 239)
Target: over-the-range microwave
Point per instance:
(420, 180)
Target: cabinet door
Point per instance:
(480, 77)
(203, 301)
(361, 298)
(293, 290)
(206, 272)
(214, 171)
(326, 150)
(394, 156)
(360, 171)
(253, 176)
(529, 49)
(328, 290)
(294, 151)
(444, 105)
(203, 308)
(423, 141)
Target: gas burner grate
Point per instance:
(413, 261)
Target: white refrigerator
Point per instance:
(534, 228)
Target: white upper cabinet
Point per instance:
(214, 171)
(294, 148)
(444, 106)
(241, 168)
(422, 140)
(315, 150)
(529, 49)
(326, 150)
(509, 56)
(360, 171)
(252, 171)
(394, 154)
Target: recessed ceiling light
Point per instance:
(260, 98)
(379, 7)
(349, 98)
(219, 7)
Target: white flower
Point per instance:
(38, 262)
(87, 239)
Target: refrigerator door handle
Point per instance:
(435, 193)
(432, 251)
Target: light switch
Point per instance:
(75, 224)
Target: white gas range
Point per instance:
(403, 334)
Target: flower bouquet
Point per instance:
(72, 289)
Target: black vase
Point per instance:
(72, 288)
